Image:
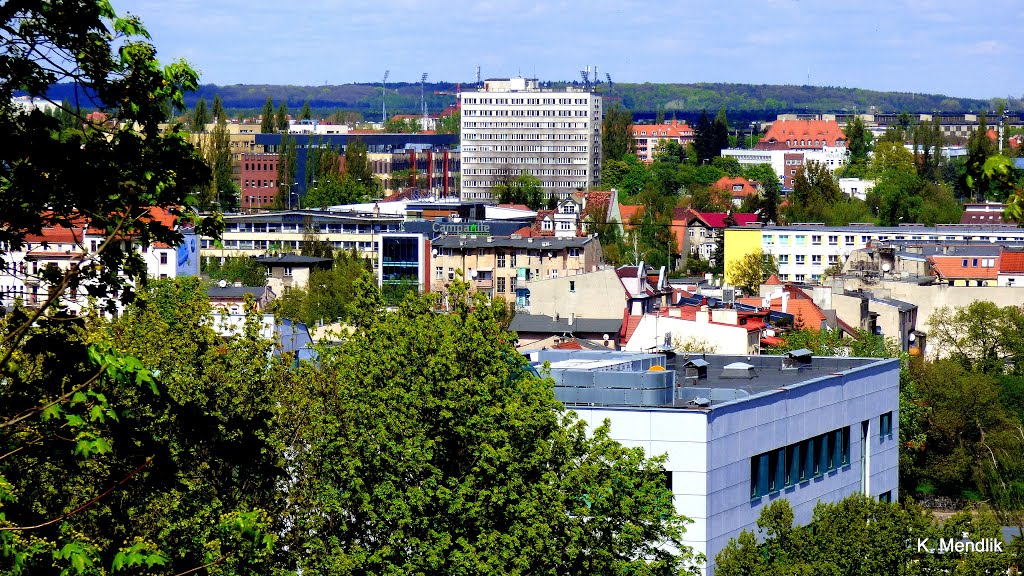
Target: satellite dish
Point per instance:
(886, 267)
(604, 336)
(472, 274)
(223, 283)
(912, 337)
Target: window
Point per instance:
(439, 273)
(554, 273)
(501, 259)
(784, 240)
(816, 240)
(287, 271)
(783, 259)
(800, 259)
(885, 424)
(833, 259)
(501, 284)
(574, 252)
(451, 273)
(833, 240)
(768, 240)
(788, 466)
(885, 496)
(801, 240)
(572, 286)
(816, 259)
(848, 240)
(965, 263)
(163, 257)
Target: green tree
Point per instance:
(330, 294)
(719, 134)
(859, 144)
(752, 270)
(617, 134)
(979, 148)
(469, 465)
(402, 126)
(267, 123)
(815, 192)
(451, 124)
(305, 113)
(771, 191)
(217, 110)
(705, 139)
(281, 118)
(233, 269)
(287, 172)
(200, 117)
(97, 444)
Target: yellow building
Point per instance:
(738, 243)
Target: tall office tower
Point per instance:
(512, 125)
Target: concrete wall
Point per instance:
(596, 295)
(721, 338)
(931, 298)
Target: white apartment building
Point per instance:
(805, 251)
(513, 126)
(740, 431)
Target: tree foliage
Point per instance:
(267, 123)
(752, 270)
(524, 189)
(465, 462)
(617, 134)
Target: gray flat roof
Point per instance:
(589, 378)
(548, 325)
(291, 260)
(542, 243)
(235, 291)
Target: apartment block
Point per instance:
(513, 125)
(501, 266)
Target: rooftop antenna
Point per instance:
(478, 84)
(597, 77)
(383, 98)
(585, 75)
(423, 101)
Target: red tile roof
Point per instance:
(952, 267)
(746, 187)
(805, 134)
(515, 206)
(1011, 262)
(806, 314)
(673, 129)
(717, 219)
(629, 213)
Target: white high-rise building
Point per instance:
(513, 126)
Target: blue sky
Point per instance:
(932, 46)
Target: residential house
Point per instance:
(647, 137)
(538, 331)
(978, 267)
(702, 230)
(1011, 268)
(697, 329)
(231, 298)
(288, 271)
(737, 188)
(500, 265)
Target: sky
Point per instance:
(928, 46)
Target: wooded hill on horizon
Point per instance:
(646, 99)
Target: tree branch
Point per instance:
(83, 506)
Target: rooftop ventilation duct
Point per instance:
(738, 371)
(796, 359)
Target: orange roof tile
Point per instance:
(745, 187)
(628, 212)
(805, 134)
(952, 267)
(1011, 261)
(673, 129)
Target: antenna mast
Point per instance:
(383, 98)
(423, 101)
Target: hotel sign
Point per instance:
(462, 229)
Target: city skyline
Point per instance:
(926, 46)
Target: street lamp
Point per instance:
(290, 193)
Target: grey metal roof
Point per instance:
(292, 216)
(766, 375)
(543, 243)
(548, 325)
(236, 291)
(900, 304)
(291, 260)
